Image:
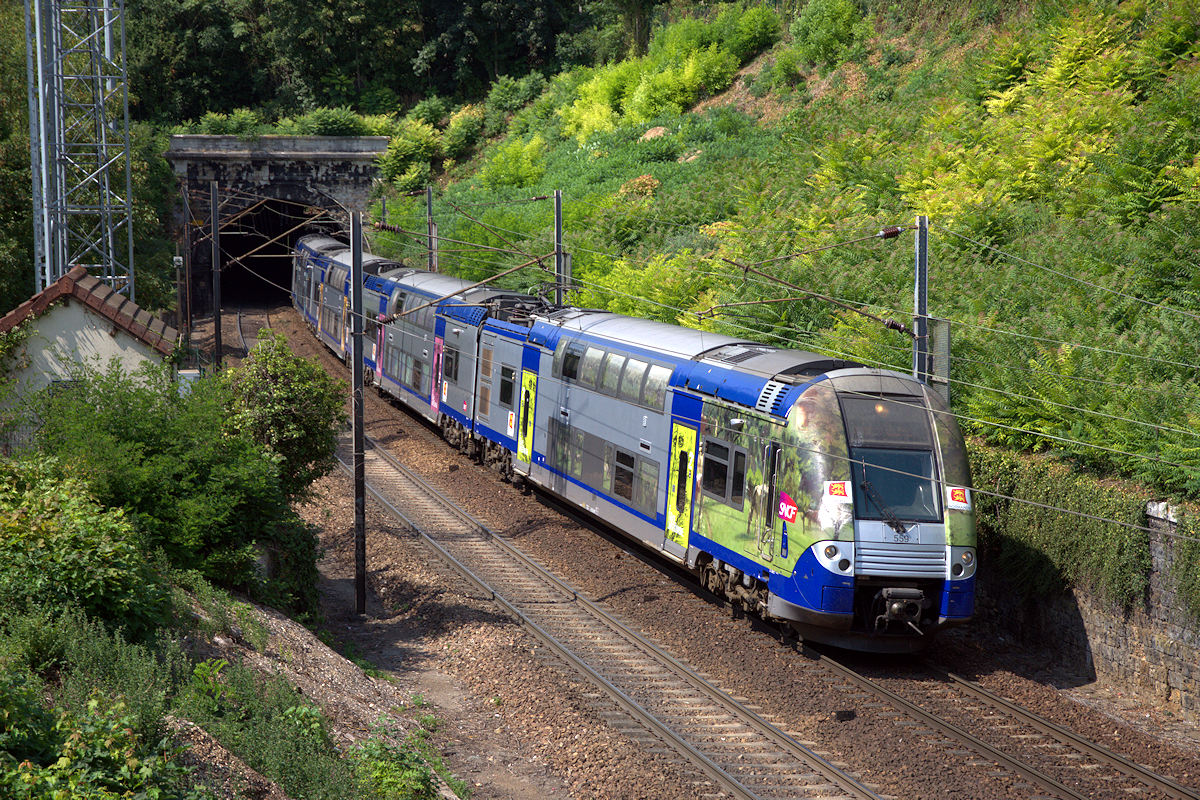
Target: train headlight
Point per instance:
(961, 562)
(837, 557)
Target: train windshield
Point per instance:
(891, 456)
(895, 484)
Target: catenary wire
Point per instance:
(985, 492)
(1066, 275)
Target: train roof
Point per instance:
(672, 340)
(771, 363)
(774, 363)
(322, 243)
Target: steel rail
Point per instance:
(1119, 762)
(626, 703)
(686, 750)
(937, 723)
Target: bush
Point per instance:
(95, 753)
(269, 726)
(748, 33)
(211, 497)
(332, 122)
(59, 547)
(827, 30)
(290, 405)
(83, 656)
(516, 163)
(1041, 550)
(463, 131)
(431, 111)
(509, 95)
(413, 144)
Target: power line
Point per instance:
(1068, 276)
(960, 416)
(985, 492)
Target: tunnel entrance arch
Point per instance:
(271, 191)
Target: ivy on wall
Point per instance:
(1043, 551)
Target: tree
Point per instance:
(468, 45)
(210, 497)
(289, 405)
(16, 205)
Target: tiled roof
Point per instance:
(100, 298)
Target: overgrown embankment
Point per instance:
(121, 534)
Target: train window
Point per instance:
(886, 422)
(392, 360)
(646, 497)
(681, 483)
(623, 471)
(578, 441)
(418, 375)
(594, 467)
(508, 379)
(654, 392)
(715, 478)
(572, 355)
(737, 491)
(450, 364)
(589, 368)
(631, 380)
(485, 363)
(610, 378)
(724, 473)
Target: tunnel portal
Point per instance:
(270, 191)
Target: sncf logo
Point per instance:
(787, 508)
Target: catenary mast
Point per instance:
(79, 140)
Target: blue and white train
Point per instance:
(826, 495)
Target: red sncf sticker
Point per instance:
(787, 508)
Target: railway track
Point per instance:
(249, 322)
(1053, 761)
(651, 695)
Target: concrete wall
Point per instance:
(1152, 651)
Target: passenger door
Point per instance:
(525, 420)
(680, 487)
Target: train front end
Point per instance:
(882, 475)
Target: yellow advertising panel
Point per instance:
(525, 426)
(681, 483)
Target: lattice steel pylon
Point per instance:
(79, 140)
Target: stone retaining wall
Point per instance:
(1153, 651)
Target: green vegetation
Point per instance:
(195, 485)
(1041, 551)
(112, 550)
(1054, 146)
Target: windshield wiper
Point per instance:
(889, 516)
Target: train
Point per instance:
(828, 496)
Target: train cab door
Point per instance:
(680, 488)
(763, 522)
(525, 421)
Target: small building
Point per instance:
(78, 319)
